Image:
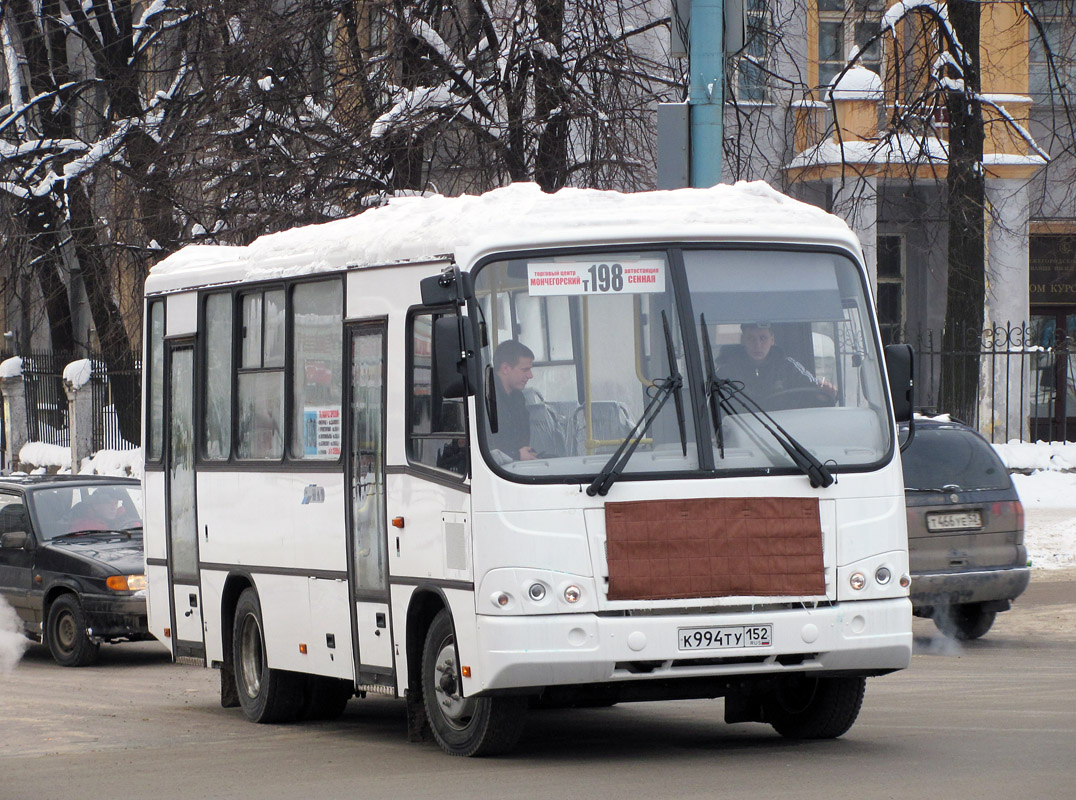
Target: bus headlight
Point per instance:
(857, 580)
(572, 594)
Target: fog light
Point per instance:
(537, 591)
(883, 575)
(858, 580)
(572, 594)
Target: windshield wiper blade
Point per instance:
(666, 387)
(712, 387)
(817, 472)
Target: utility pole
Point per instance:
(690, 135)
(706, 90)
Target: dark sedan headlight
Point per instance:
(126, 583)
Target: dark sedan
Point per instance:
(965, 529)
(71, 562)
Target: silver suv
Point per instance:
(965, 529)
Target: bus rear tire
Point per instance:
(266, 695)
(805, 707)
(464, 726)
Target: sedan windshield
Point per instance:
(76, 509)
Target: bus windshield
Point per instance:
(588, 349)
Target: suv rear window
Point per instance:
(941, 457)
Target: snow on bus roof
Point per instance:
(515, 217)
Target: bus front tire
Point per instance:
(266, 695)
(805, 707)
(464, 726)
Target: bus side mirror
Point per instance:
(451, 287)
(454, 357)
(900, 364)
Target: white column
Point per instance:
(1005, 392)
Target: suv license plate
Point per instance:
(955, 521)
(725, 637)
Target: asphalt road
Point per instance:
(990, 719)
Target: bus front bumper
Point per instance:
(864, 637)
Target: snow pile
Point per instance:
(43, 456)
(11, 367)
(12, 643)
(77, 373)
(858, 83)
(517, 217)
(117, 463)
(1038, 456)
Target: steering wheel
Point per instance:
(799, 397)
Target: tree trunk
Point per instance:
(966, 292)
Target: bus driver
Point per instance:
(512, 364)
(764, 369)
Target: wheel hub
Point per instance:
(457, 710)
(250, 657)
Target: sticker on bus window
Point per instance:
(322, 434)
(635, 276)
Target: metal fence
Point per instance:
(114, 394)
(1020, 368)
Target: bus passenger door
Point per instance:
(367, 527)
(187, 630)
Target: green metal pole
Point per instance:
(706, 88)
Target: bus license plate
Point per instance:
(725, 637)
(955, 521)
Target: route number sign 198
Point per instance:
(633, 276)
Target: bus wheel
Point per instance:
(464, 726)
(66, 634)
(805, 707)
(326, 698)
(266, 695)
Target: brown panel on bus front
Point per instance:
(714, 547)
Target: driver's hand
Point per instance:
(527, 454)
(828, 388)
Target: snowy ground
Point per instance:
(1049, 498)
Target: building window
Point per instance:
(752, 67)
(891, 288)
(845, 27)
(1057, 20)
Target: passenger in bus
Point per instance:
(512, 363)
(765, 370)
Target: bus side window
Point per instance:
(217, 431)
(437, 426)
(155, 379)
(261, 376)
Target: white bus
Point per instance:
(489, 452)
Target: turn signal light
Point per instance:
(126, 583)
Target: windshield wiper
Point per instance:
(666, 387)
(728, 391)
(712, 387)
